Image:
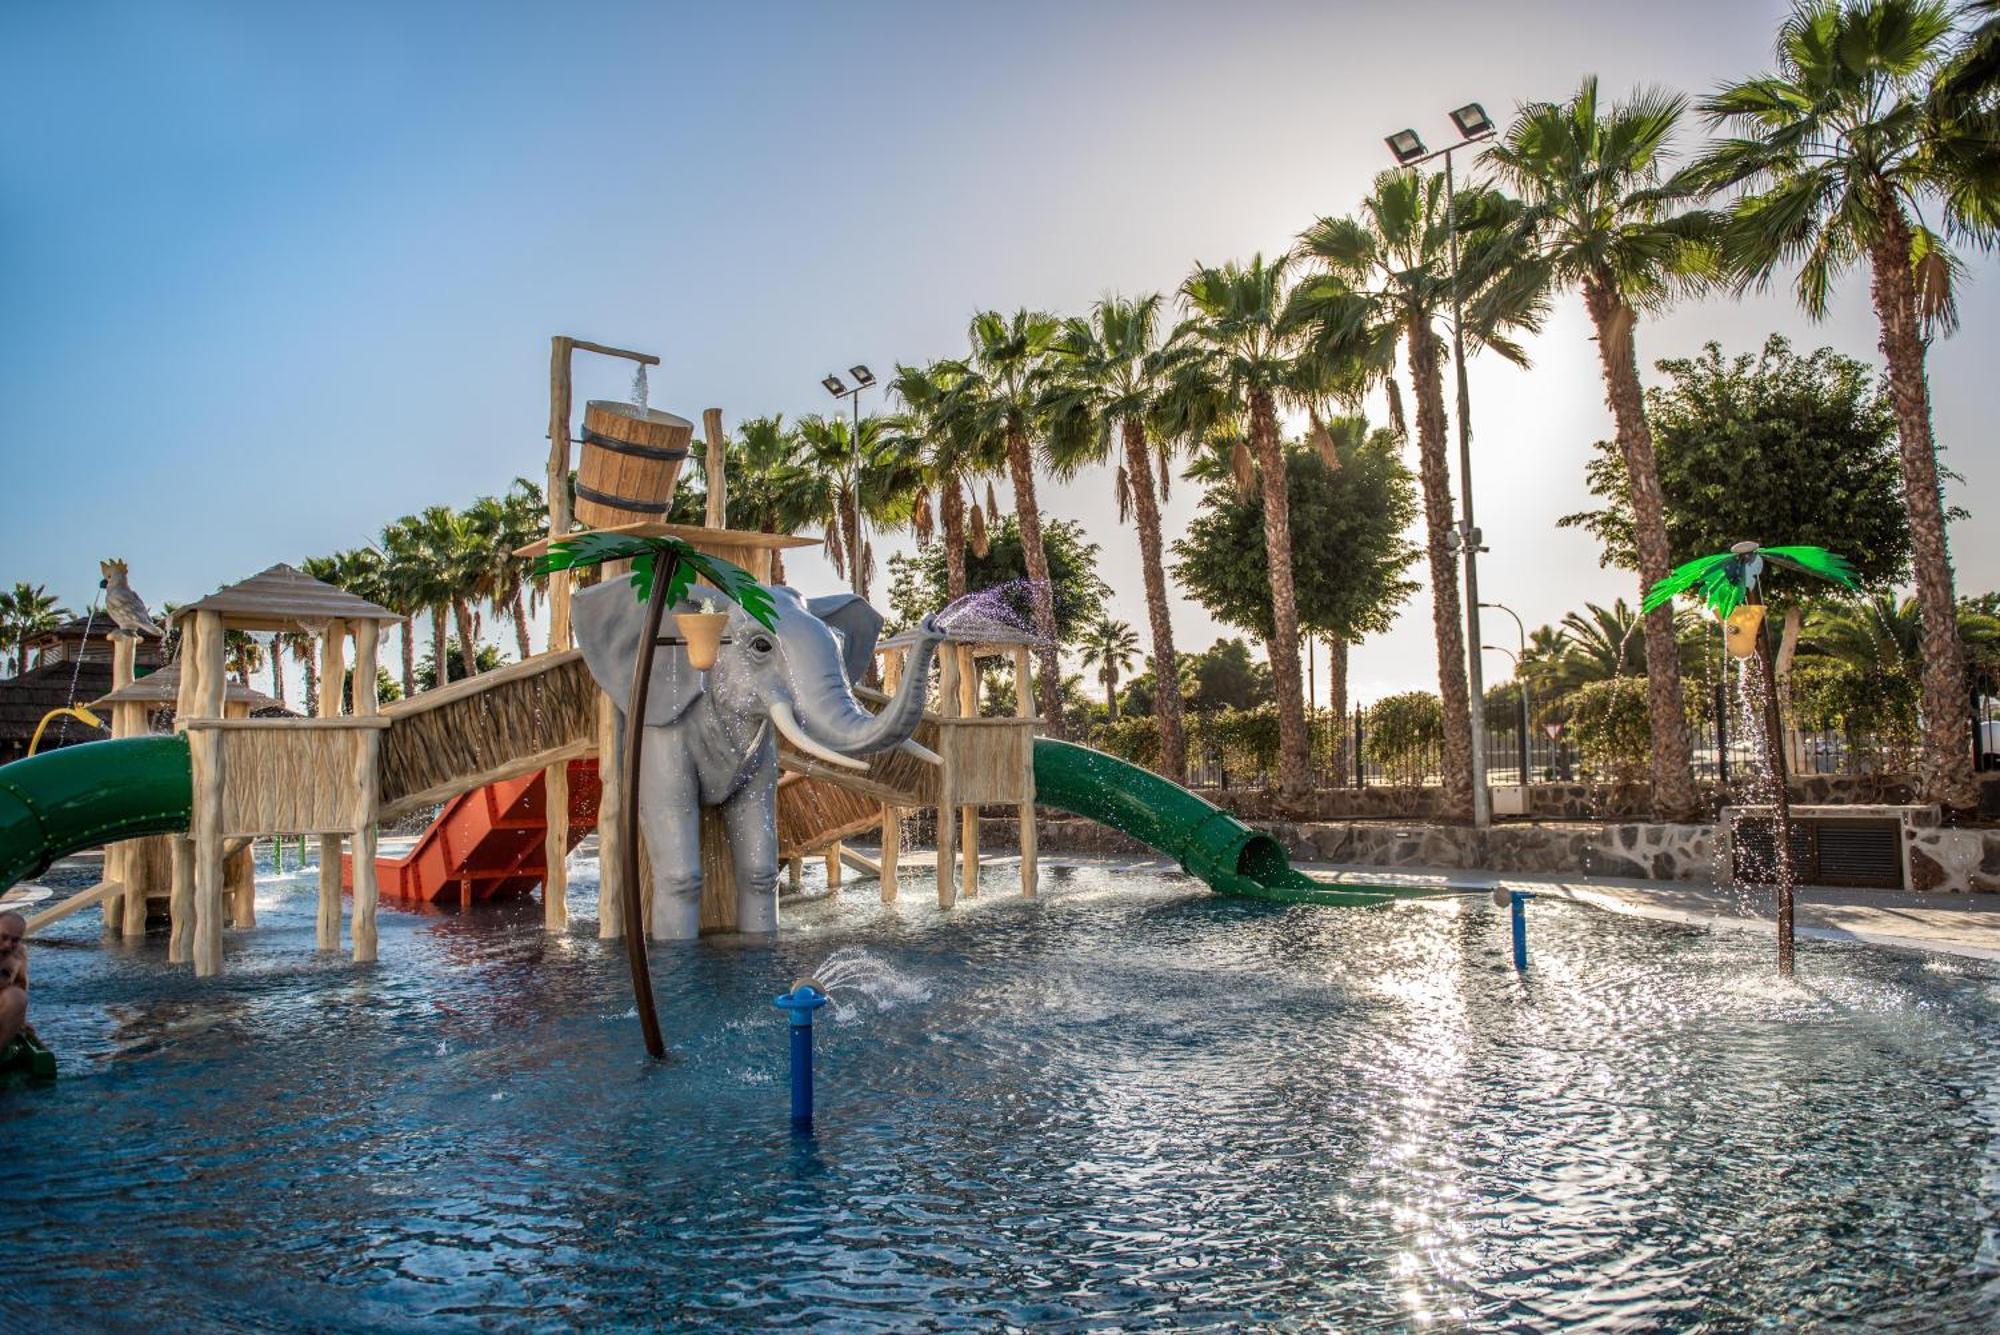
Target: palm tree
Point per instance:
(1237, 363)
(767, 492)
(26, 611)
(994, 403)
(1110, 646)
(1840, 152)
(1388, 276)
(242, 655)
(948, 457)
(1115, 376)
(1591, 178)
(822, 484)
(421, 581)
(1884, 634)
(500, 526)
(451, 547)
(404, 589)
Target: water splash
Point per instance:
(853, 975)
(639, 390)
(999, 610)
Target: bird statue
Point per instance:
(125, 607)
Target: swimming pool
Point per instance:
(1130, 1104)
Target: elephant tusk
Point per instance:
(788, 728)
(913, 747)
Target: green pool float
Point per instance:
(26, 1061)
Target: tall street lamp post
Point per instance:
(1473, 126)
(838, 388)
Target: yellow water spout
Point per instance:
(78, 712)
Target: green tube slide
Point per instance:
(79, 797)
(1208, 842)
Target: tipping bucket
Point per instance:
(631, 458)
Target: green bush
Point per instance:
(1403, 734)
(1612, 730)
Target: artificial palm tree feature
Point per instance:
(657, 587)
(1840, 153)
(1730, 584)
(1598, 208)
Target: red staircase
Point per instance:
(485, 844)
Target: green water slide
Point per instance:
(79, 797)
(1207, 841)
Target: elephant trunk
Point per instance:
(837, 721)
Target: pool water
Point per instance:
(1130, 1104)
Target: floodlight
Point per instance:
(1472, 121)
(834, 385)
(862, 375)
(1406, 146)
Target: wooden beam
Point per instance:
(1030, 837)
(102, 892)
(557, 485)
(867, 866)
(332, 667)
(892, 848)
(717, 468)
(585, 345)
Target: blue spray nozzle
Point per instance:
(801, 1002)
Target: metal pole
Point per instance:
(854, 492)
(800, 1003)
(1517, 901)
(1482, 800)
(1360, 774)
(1722, 735)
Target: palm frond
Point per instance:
(1683, 578)
(1813, 561)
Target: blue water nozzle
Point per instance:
(805, 997)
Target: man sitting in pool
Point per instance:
(13, 980)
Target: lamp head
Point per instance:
(1406, 145)
(1472, 121)
(834, 386)
(862, 376)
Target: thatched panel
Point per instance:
(494, 726)
(813, 813)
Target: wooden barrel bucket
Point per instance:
(631, 459)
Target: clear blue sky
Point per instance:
(276, 274)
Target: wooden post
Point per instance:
(206, 757)
(558, 487)
(367, 802)
(947, 810)
(555, 848)
(239, 869)
(968, 706)
(332, 666)
(611, 850)
(123, 860)
(718, 877)
(180, 892)
(718, 468)
(833, 865)
(1024, 707)
(892, 848)
(795, 871)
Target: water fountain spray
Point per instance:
(1730, 583)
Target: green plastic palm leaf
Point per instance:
(1725, 579)
(684, 565)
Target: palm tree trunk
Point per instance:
(409, 658)
(951, 513)
(1428, 382)
(1110, 693)
(468, 652)
(278, 669)
(1336, 704)
(521, 623)
(440, 670)
(850, 527)
(1168, 706)
(1673, 751)
(312, 677)
(1048, 683)
(1294, 756)
(1944, 772)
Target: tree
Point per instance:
(1226, 677)
(824, 482)
(500, 526)
(1839, 154)
(1387, 276)
(994, 402)
(417, 577)
(1735, 436)
(1076, 595)
(486, 659)
(1110, 646)
(26, 611)
(1593, 181)
(948, 459)
(1241, 349)
(241, 655)
(1112, 384)
(1349, 556)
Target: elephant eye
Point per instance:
(761, 644)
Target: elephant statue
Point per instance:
(711, 737)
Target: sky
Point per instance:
(275, 275)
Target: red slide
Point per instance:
(485, 844)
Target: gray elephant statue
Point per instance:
(711, 737)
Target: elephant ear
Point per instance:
(859, 625)
(609, 621)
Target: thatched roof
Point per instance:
(98, 627)
(283, 599)
(985, 642)
(163, 688)
(26, 698)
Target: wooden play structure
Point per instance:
(522, 759)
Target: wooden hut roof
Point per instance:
(283, 599)
(163, 688)
(26, 698)
(987, 641)
(96, 627)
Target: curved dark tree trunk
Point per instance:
(468, 652)
(1944, 772)
(520, 614)
(1168, 706)
(1446, 615)
(1672, 748)
(440, 670)
(1294, 758)
(409, 639)
(951, 515)
(1048, 676)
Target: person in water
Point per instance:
(13, 980)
